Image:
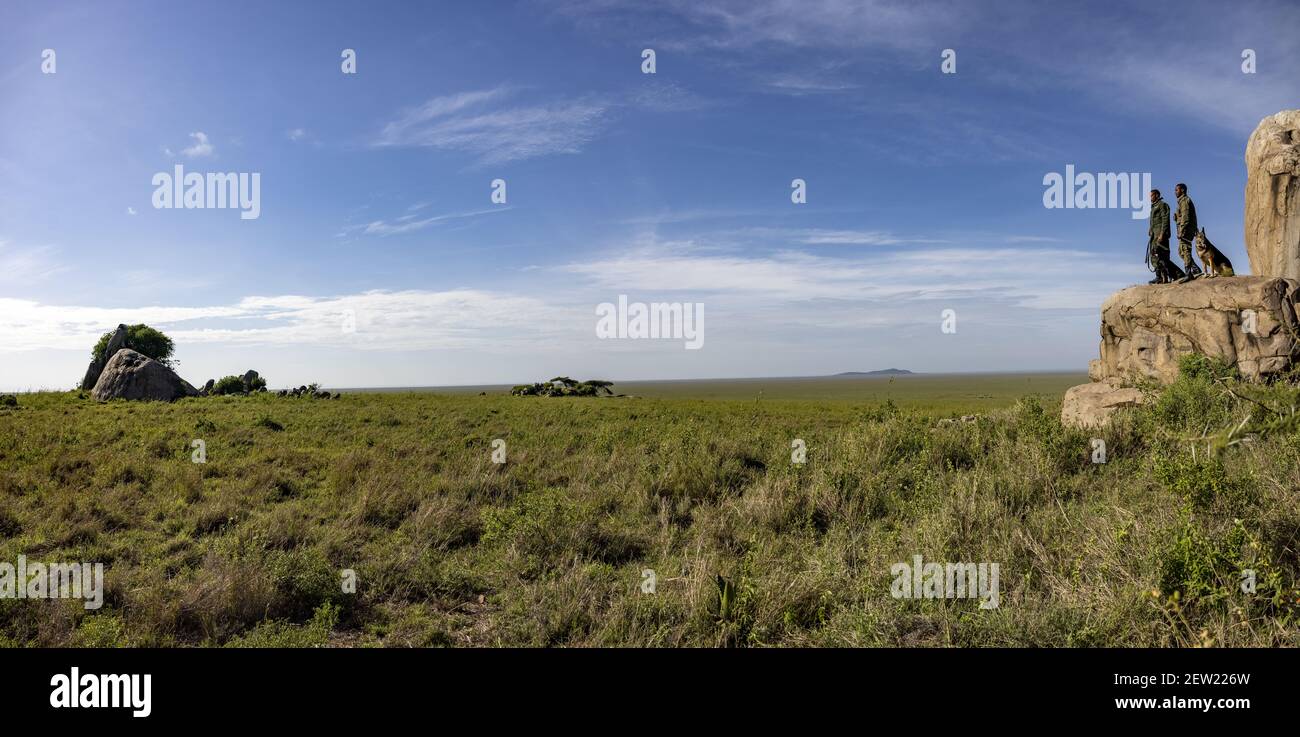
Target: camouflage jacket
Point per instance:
(1158, 232)
(1186, 218)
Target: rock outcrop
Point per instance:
(1248, 321)
(1273, 196)
(133, 375)
(115, 343)
(1090, 405)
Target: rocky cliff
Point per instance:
(1248, 321)
(1273, 196)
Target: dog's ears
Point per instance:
(1202, 231)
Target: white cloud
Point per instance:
(131, 211)
(385, 320)
(1194, 88)
(1029, 278)
(826, 237)
(409, 224)
(297, 134)
(202, 147)
(665, 97)
(780, 311)
(19, 265)
(806, 84)
(740, 24)
(477, 123)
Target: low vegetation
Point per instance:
(748, 547)
(563, 386)
(228, 385)
(142, 339)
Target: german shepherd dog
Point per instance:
(1216, 264)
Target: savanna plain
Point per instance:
(696, 481)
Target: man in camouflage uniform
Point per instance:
(1158, 243)
(1186, 220)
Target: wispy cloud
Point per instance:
(740, 24)
(806, 84)
(1030, 239)
(1036, 278)
(202, 146)
(409, 223)
(481, 124)
(666, 97)
(666, 217)
(822, 237)
(1107, 64)
(384, 320)
(24, 265)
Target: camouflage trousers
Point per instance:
(1185, 251)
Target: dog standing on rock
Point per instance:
(1216, 264)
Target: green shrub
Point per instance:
(142, 339)
(1209, 397)
(1197, 366)
(237, 385)
(228, 385)
(1201, 480)
(1200, 566)
(563, 386)
(1067, 450)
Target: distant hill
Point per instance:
(882, 372)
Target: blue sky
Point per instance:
(925, 190)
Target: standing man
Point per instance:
(1186, 220)
(1158, 242)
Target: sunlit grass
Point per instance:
(450, 548)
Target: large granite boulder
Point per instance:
(1272, 215)
(1091, 405)
(1248, 321)
(115, 343)
(133, 375)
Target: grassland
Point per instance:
(450, 548)
(940, 393)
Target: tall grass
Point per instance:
(748, 548)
